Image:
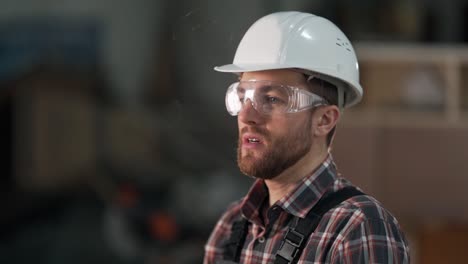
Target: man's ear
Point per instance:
(326, 118)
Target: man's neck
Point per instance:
(284, 183)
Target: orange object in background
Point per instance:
(163, 227)
(444, 244)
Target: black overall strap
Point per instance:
(295, 239)
(236, 241)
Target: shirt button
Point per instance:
(261, 239)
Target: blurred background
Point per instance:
(116, 146)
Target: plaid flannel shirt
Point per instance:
(359, 230)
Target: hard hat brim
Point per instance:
(234, 68)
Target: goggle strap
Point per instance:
(341, 97)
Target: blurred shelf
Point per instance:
(401, 118)
(411, 85)
(406, 52)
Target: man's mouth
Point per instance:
(253, 140)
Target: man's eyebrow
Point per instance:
(269, 88)
(266, 87)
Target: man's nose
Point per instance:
(248, 114)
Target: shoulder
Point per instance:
(367, 207)
(358, 211)
(361, 227)
(355, 210)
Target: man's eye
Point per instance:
(272, 99)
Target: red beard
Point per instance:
(280, 153)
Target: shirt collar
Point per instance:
(301, 200)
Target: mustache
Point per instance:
(257, 130)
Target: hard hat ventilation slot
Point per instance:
(343, 44)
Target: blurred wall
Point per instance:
(131, 155)
(129, 34)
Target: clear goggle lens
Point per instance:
(270, 98)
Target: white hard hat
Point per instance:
(301, 41)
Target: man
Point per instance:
(297, 72)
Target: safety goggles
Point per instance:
(270, 98)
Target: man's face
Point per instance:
(269, 144)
